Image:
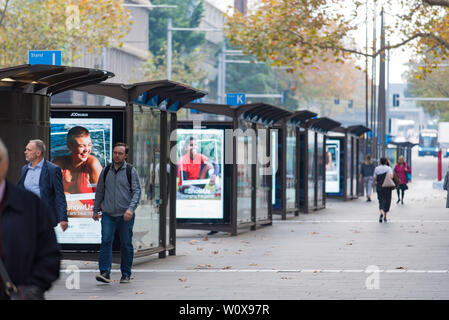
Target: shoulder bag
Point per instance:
(388, 182)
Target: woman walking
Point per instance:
(382, 172)
(366, 176)
(402, 169)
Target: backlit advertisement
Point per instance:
(81, 147)
(332, 166)
(199, 184)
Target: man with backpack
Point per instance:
(117, 197)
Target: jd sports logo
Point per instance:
(76, 114)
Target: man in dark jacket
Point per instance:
(28, 246)
(44, 179)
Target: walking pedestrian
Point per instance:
(382, 172)
(402, 169)
(366, 176)
(117, 197)
(28, 248)
(44, 179)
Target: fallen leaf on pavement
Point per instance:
(193, 241)
(199, 249)
(206, 239)
(227, 267)
(94, 297)
(140, 292)
(349, 244)
(182, 279)
(215, 252)
(400, 268)
(253, 264)
(314, 232)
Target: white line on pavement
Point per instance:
(261, 271)
(359, 221)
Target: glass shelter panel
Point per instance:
(320, 168)
(263, 172)
(348, 166)
(291, 169)
(245, 155)
(312, 171)
(146, 152)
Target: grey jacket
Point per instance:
(116, 197)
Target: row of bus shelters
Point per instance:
(345, 148)
(260, 161)
(239, 149)
(144, 119)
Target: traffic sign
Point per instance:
(52, 57)
(395, 100)
(235, 99)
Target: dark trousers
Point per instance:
(384, 197)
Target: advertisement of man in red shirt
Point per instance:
(194, 165)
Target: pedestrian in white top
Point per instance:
(383, 193)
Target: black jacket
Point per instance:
(30, 251)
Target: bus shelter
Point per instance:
(286, 182)
(144, 116)
(359, 145)
(402, 149)
(238, 152)
(312, 163)
(344, 147)
(25, 93)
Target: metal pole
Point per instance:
(373, 90)
(223, 73)
(381, 105)
(169, 48)
(387, 96)
(219, 77)
(366, 74)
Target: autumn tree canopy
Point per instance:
(59, 25)
(297, 33)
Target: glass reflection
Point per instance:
(146, 159)
(291, 170)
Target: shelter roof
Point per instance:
(254, 112)
(48, 80)
(322, 124)
(151, 93)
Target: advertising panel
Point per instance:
(199, 188)
(332, 166)
(81, 145)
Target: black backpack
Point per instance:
(129, 168)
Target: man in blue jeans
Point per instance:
(117, 197)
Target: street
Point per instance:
(342, 252)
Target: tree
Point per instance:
(59, 25)
(185, 68)
(187, 15)
(431, 85)
(296, 33)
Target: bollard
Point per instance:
(439, 166)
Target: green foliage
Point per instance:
(430, 85)
(187, 15)
(59, 25)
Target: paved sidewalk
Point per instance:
(322, 255)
